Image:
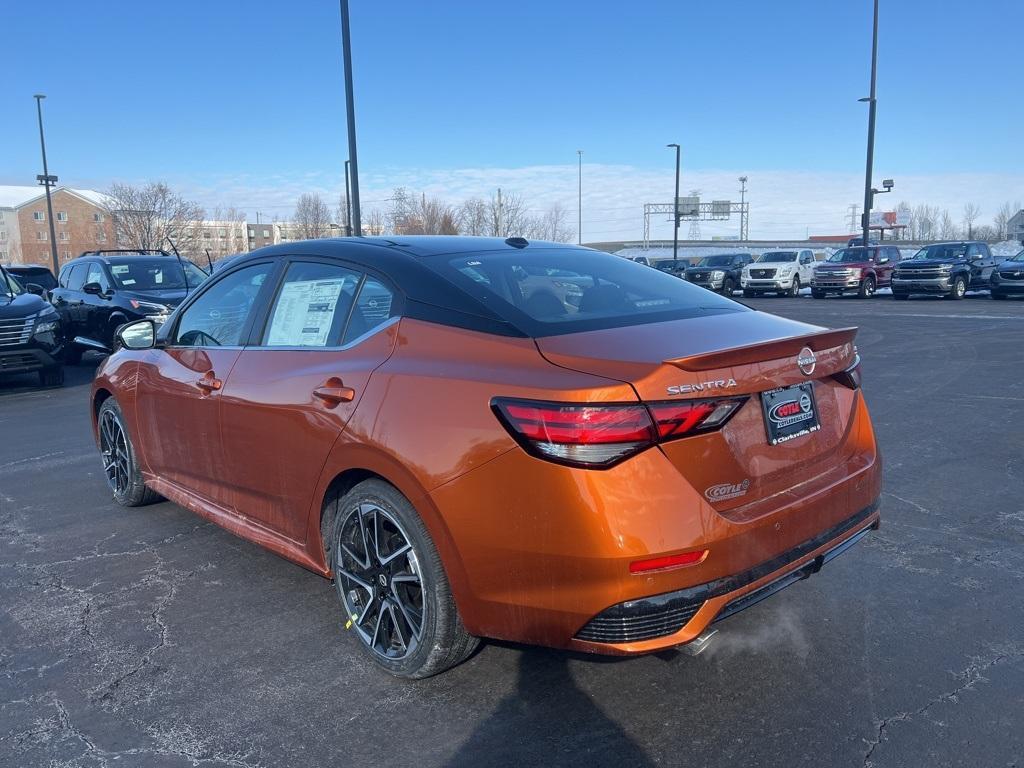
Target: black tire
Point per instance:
(957, 289)
(443, 641)
(120, 465)
(900, 296)
(998, 296)
(52, 377)
(867, 288)
(817, 293)
(72, 354)
(794, 289)
(728, 287)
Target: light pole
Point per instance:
(348, 201)
(47, 181)
(675, 212)
(743, 208)
(872, 104)
(350, 108)
(579, 198)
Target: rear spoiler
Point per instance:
(765, 350)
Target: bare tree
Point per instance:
(312, 218)
(552, 225)
(343, 213)
(146, 217)
(374, 223)
(984, 232)
(508, 216)
(947, 227)
(474, 217)
(971, 213)
(1002, 219)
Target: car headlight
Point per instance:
(150, 308)
(717, 274)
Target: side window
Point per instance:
(972, 251)
(62, 278)
(95, 275)
(218, 317)
(374, 306)
(312, 306)
(76, 278)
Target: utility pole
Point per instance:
(47, 181)
(872, 104)
(348, 201)
(350, 108)
(743, 219)
(579, 182)
(854, 208)
(675, 211)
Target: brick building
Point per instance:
(81, 223)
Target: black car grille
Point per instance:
(761, 274)
(12, 362)
(920, 274)
(1015, 275)
(698, 276)
(16, 332)
(666, 614)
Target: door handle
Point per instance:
(332, 392)
(209, 383)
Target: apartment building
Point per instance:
(80, 224)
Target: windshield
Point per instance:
(8, 285)
(715, 261)
(849, 256)
(1018, 257)
(156, 274)
(779, 256)
(550, 291)
(665, 264)
(942, 252)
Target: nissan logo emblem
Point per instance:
(806, 361)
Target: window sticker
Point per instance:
(305, 313)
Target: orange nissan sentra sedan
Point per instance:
(497, 438)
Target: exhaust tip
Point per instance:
(700, 643)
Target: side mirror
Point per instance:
(138, 335)
(35, 288)
(92, 288)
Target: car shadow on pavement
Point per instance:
(74, 375)
(548, 720)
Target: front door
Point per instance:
(179, 387)
(292, 392)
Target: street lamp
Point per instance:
(47, 181)
(579, 194)
(350, 109)
(872, 102)
(675, 212)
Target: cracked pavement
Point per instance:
(148, 637)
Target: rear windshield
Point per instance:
(41, 277)
(554, 291)
(779, 256)
(157, 274)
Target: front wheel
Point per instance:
(958, 289)
(728, 287)
(998, 296)
(867, 288)
(817, 293)
(392, 584)
(749, 294)
(120, 462)
(794, 289)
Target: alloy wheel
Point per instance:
(115, 452)
(378, 576)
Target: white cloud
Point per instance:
(784, 204)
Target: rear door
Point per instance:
(68, 297)
(297, 383)
(179, 388)
(981, 274)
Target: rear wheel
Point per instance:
(52, 377)
(867, 288)
(120, 465)
(392, 585)
(958, 289)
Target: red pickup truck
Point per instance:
(857, 270)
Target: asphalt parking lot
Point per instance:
(147, 637)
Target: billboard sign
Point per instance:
(688, 207)
(889, 219)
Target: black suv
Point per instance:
(102, 290)
(30, 275)
(947, 269)
(31, 335)
(719, 273)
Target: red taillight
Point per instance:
(603, 435)
(668, 561)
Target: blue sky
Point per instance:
(242, 103)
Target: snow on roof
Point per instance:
(13, 196)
